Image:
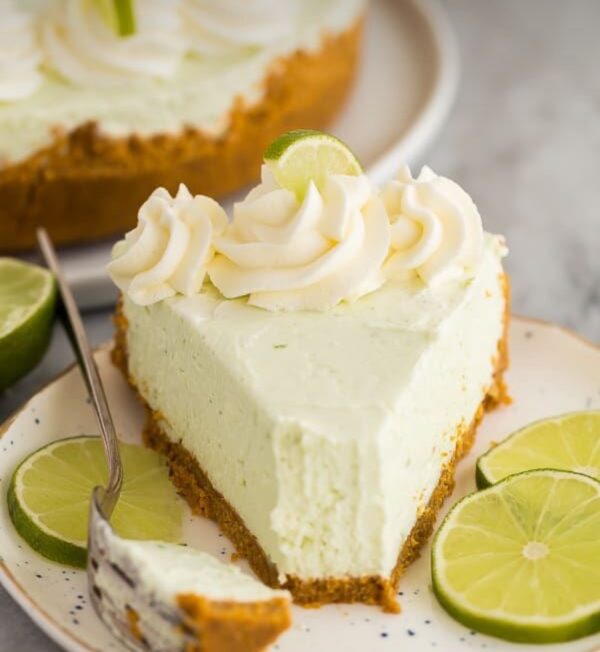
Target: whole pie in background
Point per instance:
(92, 121)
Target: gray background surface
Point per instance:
(524, 140)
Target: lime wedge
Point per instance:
(119, 15)
(49, 497)
(520, 560)
(570, 442)
(27, 298)
(298, 157)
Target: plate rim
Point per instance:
(54, 628)
(51, 627)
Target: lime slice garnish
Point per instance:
(298, 157)
(570, 442)
(49, 497)
(27, 299)
(520, 560)
(119, 15)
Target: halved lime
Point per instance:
(49, 497)
(119, 15)
(570, 442)
(520, 560)
(27, 299)
(298, 157)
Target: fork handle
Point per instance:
(71, 320)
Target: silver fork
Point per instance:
(115, 580)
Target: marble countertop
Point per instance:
(524, 139)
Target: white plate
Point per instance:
(552, 371)
(405, 88)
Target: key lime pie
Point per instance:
(97, 110)
(314, 368)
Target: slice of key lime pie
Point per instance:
(314, 368)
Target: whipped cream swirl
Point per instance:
(309, 255)
(84, 49)
(436, 230)
(20, 54)
(216, 27)
(168, 251)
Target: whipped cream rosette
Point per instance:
(337, 240)
(436, 230)
(20, 54)
(168, 251)
(216, 27)
(291, 254)
(82, 47)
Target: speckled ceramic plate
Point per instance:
(405, 87)
(552, 371)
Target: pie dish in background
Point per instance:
(409, 61)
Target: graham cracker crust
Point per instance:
(86, 186)
(194, 485)
(227, 626)
(223, 626)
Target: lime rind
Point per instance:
(279, 146)
(27, 304)
(302, 156)
(46, 544)
(481, 480)
(125, 13)
(545, 449)
(580, 622)
(24, 288)
(48, 497)
(119, 15)
(60, 549)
